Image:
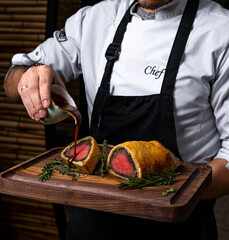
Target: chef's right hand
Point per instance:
(34, 89)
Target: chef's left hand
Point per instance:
(220, 180)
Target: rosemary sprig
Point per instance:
(102, 159)
(154, 179)
(47, 170)
(61, 167)
(73, 172)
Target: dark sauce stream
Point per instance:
(62, 103)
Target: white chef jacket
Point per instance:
(201, 94)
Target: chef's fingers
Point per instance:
(31, 98)
(34, 89)
(28, 88)
(47, 77)
(45, 81)
(23, 90)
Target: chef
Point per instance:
(153, 69)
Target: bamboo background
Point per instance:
(22, 28)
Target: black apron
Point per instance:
(122, 118)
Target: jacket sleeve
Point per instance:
(62, 51)
(220, 102)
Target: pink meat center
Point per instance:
(121, 163)
(82, 150)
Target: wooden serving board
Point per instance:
(102, 193)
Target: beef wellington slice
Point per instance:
(85, 156)
(138, 158)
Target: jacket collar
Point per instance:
(172, 9)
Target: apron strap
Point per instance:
(114, 49)
(178, 47)
(111, 55)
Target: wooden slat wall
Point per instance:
(22, 28)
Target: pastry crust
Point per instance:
(89, 163)
(147, 157)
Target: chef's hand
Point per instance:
(220, 179)
(34, 88)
